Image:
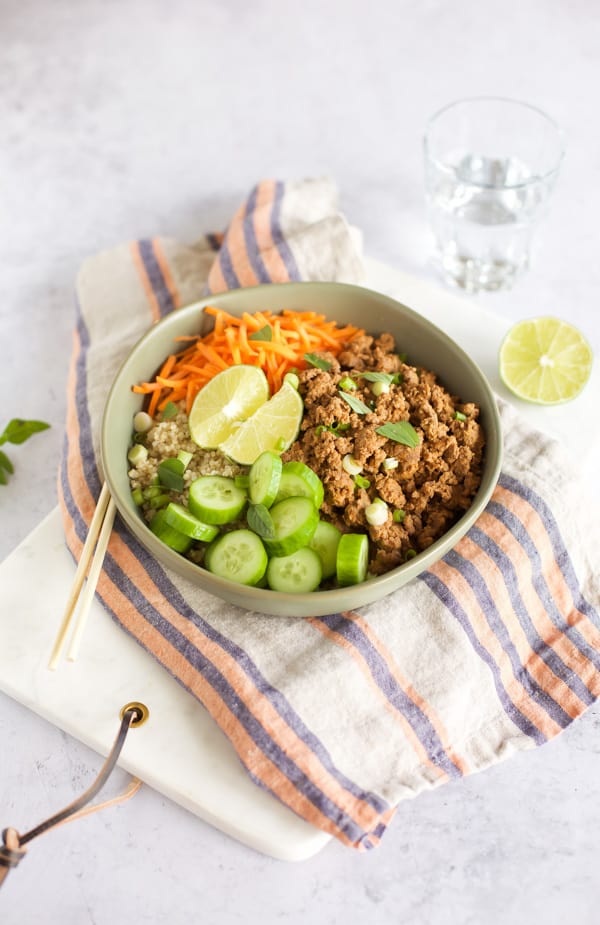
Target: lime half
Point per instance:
(545, 360)
(230, 397)
(274, 426)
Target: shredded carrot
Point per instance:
(233, 341)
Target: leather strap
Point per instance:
(12, 850)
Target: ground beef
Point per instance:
(433, 483)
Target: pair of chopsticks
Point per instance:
(95, 546)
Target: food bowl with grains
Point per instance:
(299, 449)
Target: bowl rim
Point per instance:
(265, 600)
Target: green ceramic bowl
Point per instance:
(426, 345)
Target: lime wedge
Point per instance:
(229, 398)
(545, 360)
(274, 426)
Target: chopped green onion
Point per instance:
(361, 482)
(137, 497)
(151, 492)
(402, 357)
(142, 422)
(459, 416)
(316, 361)
(389, 463)
(348, 384)
(241, 481)
(351, 465)
(170, 410)
(376, 513)
(410, 554)
(398, 515)
(380, 388)
(184, 457)
(159, 501)
(137, 454)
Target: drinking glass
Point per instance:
(490, 166)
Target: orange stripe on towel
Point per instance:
(459, 762)
(541, 672)
(361, 662)
(256, 702)
(558, 587)
(552, 636)
(515, 690)
(271, 257)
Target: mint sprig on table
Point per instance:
(16, 431)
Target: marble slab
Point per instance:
(180, 751)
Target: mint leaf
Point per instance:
(401, 432)
(18, 430)
(170, 410)
(5, 463)
(388, 378)
(317, 361)
(265, 333)
(355, 403)
(260, 521)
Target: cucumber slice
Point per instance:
(215, 499)
(178, 517)
(296, 574)
(325, 543)
(298, 480)
(171, 537)
(294, 522)
(352, 558)
(264, 478)
(238, 556)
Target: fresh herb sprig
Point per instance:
(16, 431)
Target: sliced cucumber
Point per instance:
(238, 556)
(264, 478)
(294, 522)
(215, 499)
(352, 558)
(295, 574)
(171, 537)
(298, 480)
(325, 543)
(178, 517)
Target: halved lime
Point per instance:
(229, 398)
(545, 360)
(274, 426)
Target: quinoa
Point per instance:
(164, 440)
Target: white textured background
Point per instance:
(142, 117)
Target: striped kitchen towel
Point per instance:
(495, 649)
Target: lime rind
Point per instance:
(273, 426)
(545, 361)
(228, 399)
